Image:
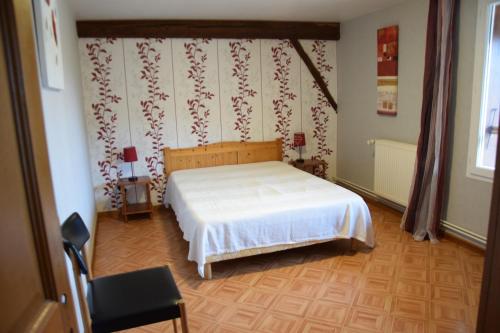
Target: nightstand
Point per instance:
(139, 207)
(315, 167)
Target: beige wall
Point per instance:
(468, 201)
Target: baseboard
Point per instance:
(464, 235)
(115, 213)
(454, 232)
(366, 193)
(108, 213)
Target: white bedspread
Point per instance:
(235, 207)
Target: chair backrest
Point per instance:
(75, 235)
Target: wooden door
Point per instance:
(489, 307)
(34, 289)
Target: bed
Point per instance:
(234, 200)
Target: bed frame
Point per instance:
(224, 153)
(229, 153)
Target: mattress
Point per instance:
(231, 208)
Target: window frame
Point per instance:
(483, 34)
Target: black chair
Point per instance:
(121, 301)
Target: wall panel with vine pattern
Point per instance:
(189, 92)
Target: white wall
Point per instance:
(66, 137)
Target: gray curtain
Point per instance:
(423, 214)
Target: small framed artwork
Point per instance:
(387, 71)
(49, 43)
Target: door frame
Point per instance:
(488, 319)
(17, 33)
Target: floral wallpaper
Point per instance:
(198, 108)
(281, 104)
(242, 108)
(154, 93)
(153, 112)
(105, 116)
(320, 111)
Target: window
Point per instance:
(486, 94)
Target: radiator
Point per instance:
(394, 164)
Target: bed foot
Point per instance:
(208, 271)
(351, 246)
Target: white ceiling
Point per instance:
(278, 10)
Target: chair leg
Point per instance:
(174, 322)
(184, 324)
(87, 322)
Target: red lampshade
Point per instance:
(129, 154)
(299, 139)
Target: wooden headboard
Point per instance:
(224, 153)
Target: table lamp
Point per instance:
(299, 140)
(130, 155)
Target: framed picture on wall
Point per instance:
(387, 71)
(49, 43)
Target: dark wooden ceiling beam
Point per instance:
(209, 29)
(314, 72)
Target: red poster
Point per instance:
(387, 70)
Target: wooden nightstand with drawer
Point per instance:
(139, 207)
(315, 167)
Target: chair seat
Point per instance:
(133, 299)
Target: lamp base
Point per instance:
(132, 179)
(300, 160)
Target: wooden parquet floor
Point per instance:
(400, 286)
